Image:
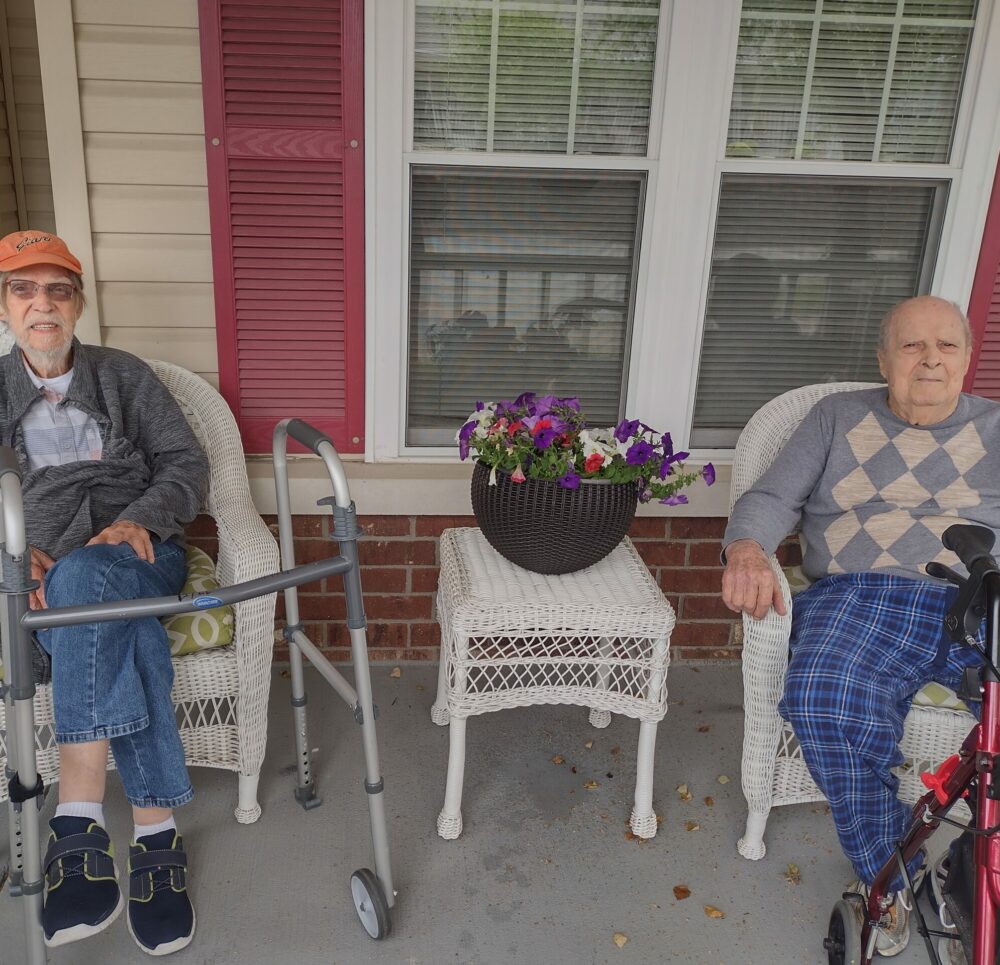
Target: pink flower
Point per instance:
(517, 475)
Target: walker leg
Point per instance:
(449, 822)
(248, 808)
(643, 820)
(305, 792)
(374, 785)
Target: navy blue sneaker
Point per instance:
(160, 916)
(82, 896)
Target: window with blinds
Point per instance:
(802, 272)
(852, 80)
(552, 76)
(519, 280)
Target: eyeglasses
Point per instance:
(58, 291)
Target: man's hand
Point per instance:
(41, 563)
(125, 531)
(748, 583)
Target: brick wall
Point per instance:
(399, 570)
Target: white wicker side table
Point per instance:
(598, 638)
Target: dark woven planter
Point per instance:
(547, 529)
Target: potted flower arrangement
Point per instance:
(554, 494)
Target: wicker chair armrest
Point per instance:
(765, 649)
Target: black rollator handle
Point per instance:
(309, 437)
(969, 543)
(972, 545)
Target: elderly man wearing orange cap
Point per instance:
(111, 474)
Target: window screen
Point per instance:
(519, 280)
(554, 76)
(803, 269)
(854, 80)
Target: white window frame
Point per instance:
(685, 161)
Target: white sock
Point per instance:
(81, 809)
(145, 830)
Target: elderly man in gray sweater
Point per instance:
(874, 478)
(111, 473)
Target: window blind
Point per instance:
(555, 76)
(848, 80)
(803, 269)
(520, 280)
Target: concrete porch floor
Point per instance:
(543, 873)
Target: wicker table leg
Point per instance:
(643, 820)
(439, 709)
(449, 822)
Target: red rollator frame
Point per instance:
(974, 772)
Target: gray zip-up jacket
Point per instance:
(152, 470)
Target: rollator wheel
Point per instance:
(843, 939)
(370, 903)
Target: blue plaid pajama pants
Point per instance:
(862, 645)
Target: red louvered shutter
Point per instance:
(984, 306)
(284, 122)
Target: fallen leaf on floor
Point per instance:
(792, 874)
(704, 728)
(286, 673)
(712, 912)
(616, 749)
(710, 801)
(419, 687)
(573, 769)
(681, 892)
(695, 670)
(589, 744)
(558, 759)
(691, 826)
(547, 860)
(722, 779)
(620, 939)
(659, 820)
(683, 793)
(629, 836)
(590, 785)
(395, 672)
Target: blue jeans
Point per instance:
(111, 681)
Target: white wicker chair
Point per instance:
(773, 771)
(220, 695)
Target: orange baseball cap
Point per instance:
(23, 248)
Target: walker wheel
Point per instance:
(843, 940)
(370, 903)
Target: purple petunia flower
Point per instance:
(674, 500)
(638, 453)
(570, 481)
(480, 406)
(464, 435)
(546, 437)
(708, 473)
(525, 399)
(626, 429)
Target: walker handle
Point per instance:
(304, 433)
(970, 543)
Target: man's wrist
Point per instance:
(742, 547)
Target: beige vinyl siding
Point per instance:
(141, 108)
(34, 151)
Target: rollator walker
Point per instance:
(973, 773)
(372, 892)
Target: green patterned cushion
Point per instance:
(936, 695)
(797, 580)
(204, 629)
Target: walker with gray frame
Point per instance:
(372, 891)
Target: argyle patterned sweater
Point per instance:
(872, 492)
